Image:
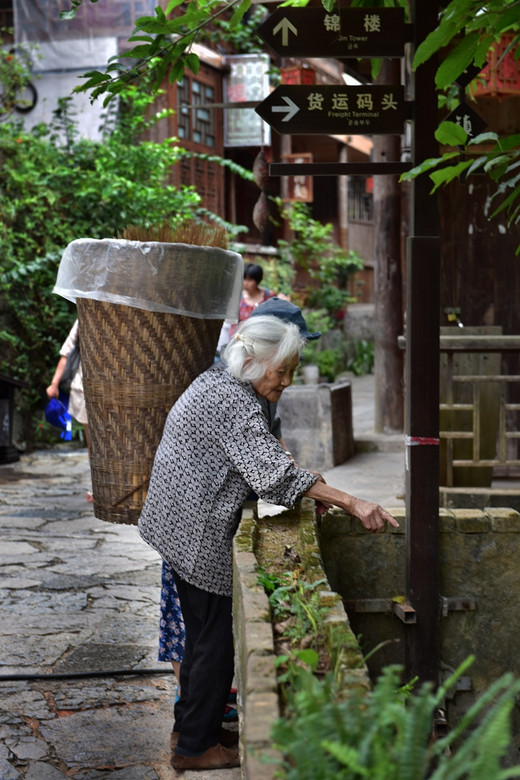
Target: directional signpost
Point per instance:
(299, 109)
(350, 32)
(367, 110)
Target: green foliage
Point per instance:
(363, 360)
(482, 24)
(469, 28)
(163, 42)
(278, 275)
(387, 734)
(15, 73)
(314, 250)
(242, 37)
(56, 187)
(296, 601)
(162, 45)
(330, 363)
(501, 163)
(268, 580)
(318, 320)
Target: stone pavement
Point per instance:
(79, 599)
(377, 471)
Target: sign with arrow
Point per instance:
(349, 32)
(335, 109)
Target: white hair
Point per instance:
(267, 341)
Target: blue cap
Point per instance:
(288, 312)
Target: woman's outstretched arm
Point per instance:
(371, 515)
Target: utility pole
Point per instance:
(320, 109)
(422, 376)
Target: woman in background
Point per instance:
(253, 295)
(77, 407)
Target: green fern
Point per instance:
(387, 733)
(347, 756)
(417, 729)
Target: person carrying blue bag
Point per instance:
(69, 363)
(69, 373)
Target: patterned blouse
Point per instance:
(216, 447)
(245, 310)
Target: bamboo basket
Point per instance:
(136, 362)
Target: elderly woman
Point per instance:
(215, 448)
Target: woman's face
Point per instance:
(250, 286)
(275, 380)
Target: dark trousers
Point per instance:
(206, 669)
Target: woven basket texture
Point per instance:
(136, 363)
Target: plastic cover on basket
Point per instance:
(195, 281)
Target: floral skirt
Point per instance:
(172, 633)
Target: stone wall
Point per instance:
(254, 656)
(479, 584)
(254, 645)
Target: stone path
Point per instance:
(78, 595)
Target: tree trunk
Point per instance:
(389, 394)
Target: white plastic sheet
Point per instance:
(196, 281)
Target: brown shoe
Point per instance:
(228, 738)
(216, 757)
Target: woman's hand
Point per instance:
(371, 515)
(53, 391)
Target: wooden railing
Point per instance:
(486, 403)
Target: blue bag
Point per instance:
(56, 413)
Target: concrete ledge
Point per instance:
(317, 424)
(380, 442)
(455, 498)
(258, 702)
(254, 656)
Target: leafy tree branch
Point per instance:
(467, 30)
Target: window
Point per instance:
(196, 124)
(199, 129)
(359, 199)
(6, 15)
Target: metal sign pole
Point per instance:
(373, 109)
(422, 379)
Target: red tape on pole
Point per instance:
(413, 441)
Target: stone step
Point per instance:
(374, 442)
